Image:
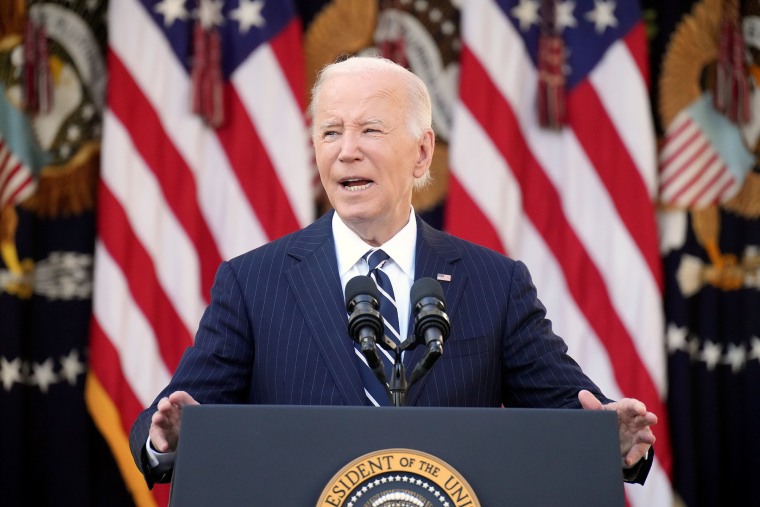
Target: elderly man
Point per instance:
(276, 329)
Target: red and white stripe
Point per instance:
(692, 172)
(575, 205)
(16, 179)
(176, 198)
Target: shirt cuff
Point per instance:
(159, 462)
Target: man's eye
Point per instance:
(329, 133)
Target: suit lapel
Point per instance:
(316, 283)
(436, 255)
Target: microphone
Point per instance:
(365, 323)
(431, 324)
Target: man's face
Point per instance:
(366, 158)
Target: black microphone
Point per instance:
(365, 323)
(431, 324)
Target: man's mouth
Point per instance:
(356, 184)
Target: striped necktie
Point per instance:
(376, 393)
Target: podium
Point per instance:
(302, 456)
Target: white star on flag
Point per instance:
(736, 356)
(711, 354)
(210, 13)
(71, 367)
(43, 375)
(527, 13)
(603, 15)
(565, 18)
(248, 14)
(172, 10)
(677, 338)
(10, 372)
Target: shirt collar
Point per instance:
(350, 248)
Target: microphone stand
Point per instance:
(398, 384)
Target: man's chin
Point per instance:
(354, 218)
(354, 212)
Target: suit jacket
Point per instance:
(276, 332)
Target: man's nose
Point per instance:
(350, 147)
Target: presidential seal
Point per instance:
(398, 478)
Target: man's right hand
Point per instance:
(164, 425)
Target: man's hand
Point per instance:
(634, 423)
(164, 425)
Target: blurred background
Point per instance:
(610, 145)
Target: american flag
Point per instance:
(178, 195)
(575, 204)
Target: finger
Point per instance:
(158, 439)
(636, 453)
(160, 419)
(646, 437)
(629, 408)
(588, 401)
(639, 422)
(164, 405)
(182, 398)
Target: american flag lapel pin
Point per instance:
(443, 277)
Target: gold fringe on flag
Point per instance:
(105, 414)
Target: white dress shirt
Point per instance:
(350, 248)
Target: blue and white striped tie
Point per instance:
(376, 392)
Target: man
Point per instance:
(276, 329)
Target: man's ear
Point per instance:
(424, 154)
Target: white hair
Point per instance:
(420, 118)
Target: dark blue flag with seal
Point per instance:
(708, 108)
(51, 95)
(713, 339)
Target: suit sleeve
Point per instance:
(539, 371)
(216, 369)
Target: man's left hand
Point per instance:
(634, 425)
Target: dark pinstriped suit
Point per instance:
(276, 333)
